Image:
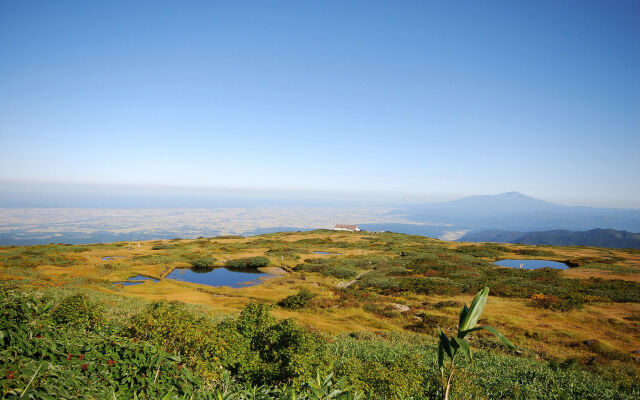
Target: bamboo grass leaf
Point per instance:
(464, 345)
(446, 345)
(490, 329)
(477, 307)
(463, 314)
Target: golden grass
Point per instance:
(540, 331)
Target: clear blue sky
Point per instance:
(403, 97)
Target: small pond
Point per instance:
(127, 283)
(142, 278)
(136, 280)
(531, 264)
(326, 253)
(109, 258)
(221, 276)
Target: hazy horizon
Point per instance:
(19, 194)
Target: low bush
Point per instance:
(203, 263)
(534, 252)
(483, 250)
(78, 311)
(249, 262)
(551, 302)
(341, 272)
(297, 301)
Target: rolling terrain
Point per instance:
(374, 304)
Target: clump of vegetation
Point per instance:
(203, 263)
(489, 250)
(446, 303)
(41, 359)
(163, 246)
(427, 323)
(254, 347)
(580, 261)
(248, 262)
(33, 256)
(297, 301)
(534, 252)
(551, 302)
(286, 252)
(78, 310)
(341, 272)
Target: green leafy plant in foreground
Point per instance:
(451, 346)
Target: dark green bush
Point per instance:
(341, 272)
(297, 301)
(203, 263)
(534, 252)
(249, 262)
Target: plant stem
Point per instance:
(446, 392)
(32, 378)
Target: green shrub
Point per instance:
(41, 360)
(78, 310)
(285, 352)
(203, 263)
(341, 272)
(249, 262)
(483, 250)
(179, 329)
(534, 252)
(297, 301)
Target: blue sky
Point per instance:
(426, 99)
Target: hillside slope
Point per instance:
(610, 238)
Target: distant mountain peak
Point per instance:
(503, 201)
(506, 196)
(513, 194)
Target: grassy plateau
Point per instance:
(359, 322)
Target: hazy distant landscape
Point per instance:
(25, 226)
(476, 219)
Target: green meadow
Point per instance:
(361, 322)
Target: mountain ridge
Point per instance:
(610, 238)
(514, 211)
